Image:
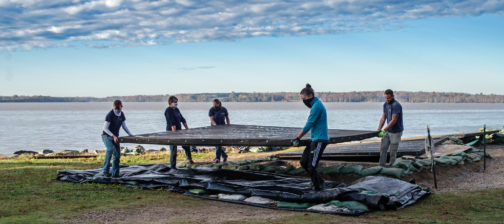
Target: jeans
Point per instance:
(220, 152)
(390, 140)
(310, 159)
(113, 150)
(173, 155)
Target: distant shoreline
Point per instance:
(347, 97)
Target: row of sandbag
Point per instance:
(333, 206)
(399, 169)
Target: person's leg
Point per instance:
(173, 156)
(385, 143)
(116, 160)
(218, 152)
(318, 150)
(108, 141)
(395, 138)
(305, 158)
(187, 150)
(223, 154)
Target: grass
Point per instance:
(30, 194)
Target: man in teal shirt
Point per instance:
(317, 126)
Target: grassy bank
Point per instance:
(30, 194)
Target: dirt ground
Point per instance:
(167, 212)
(468, 176)
(460, 178)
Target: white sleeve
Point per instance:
(106, 128)
(126, 128)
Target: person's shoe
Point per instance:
(106, 174)
(225, 159)
(191, 161)
(216, 161)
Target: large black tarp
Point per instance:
(375, 192)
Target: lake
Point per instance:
(60, 126)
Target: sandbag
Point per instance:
(403, 163)
(328, 208)
(354, 169)
(197, 191)
(499, 138)
(371, 171)
(445, 161)
(293, 205)
(297, 172)
(234, 197)
(331, 170)
(259, 200)
(394, 172)
(351, 205)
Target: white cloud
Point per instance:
(39, 23)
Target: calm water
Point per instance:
(59, 126)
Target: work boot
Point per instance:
(191, 161)
(216, 161)
(106, 174)
(225, 158)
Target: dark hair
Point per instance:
(307, 90)
(117, 104)
(172, 99)
(389, 92)
(217, 101)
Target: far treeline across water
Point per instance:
(367, 96)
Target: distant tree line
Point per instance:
(364, 96)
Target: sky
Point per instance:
(112, 47)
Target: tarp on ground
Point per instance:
(373, 192)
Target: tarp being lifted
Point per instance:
(252, 188)
(241, 135)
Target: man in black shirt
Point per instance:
(219, 116)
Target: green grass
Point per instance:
(30, 194)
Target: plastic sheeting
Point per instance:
(244, 185)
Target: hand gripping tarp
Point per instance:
(282, 190)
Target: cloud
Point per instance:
(40, 23)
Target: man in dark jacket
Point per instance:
(174, 119)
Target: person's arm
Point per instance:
(391, 124)
(301, 134)
(312, 119)
(212, 121)
(168, 119)
(382, 121)
(228, 121)
(126, 129)
(184, 121)
(106, 129)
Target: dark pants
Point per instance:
(220, 151)
(173, 154)
(113, 150)
(310, 159)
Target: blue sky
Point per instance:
(91, 48)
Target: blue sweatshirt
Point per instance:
(173, 118)
(317, 121)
